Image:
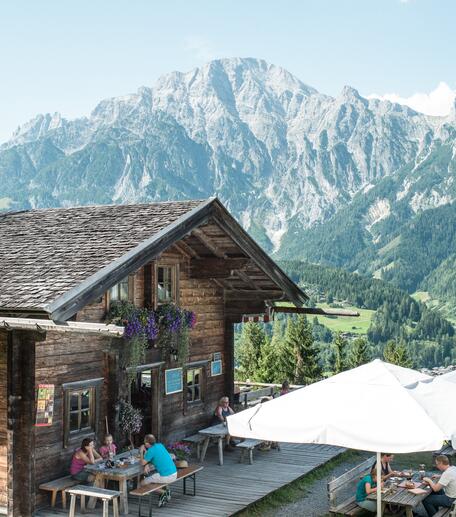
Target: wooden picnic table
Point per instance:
(219, 432)
(120, 474)
(403, 497)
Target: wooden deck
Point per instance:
(224, 491)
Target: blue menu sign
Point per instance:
(173, 381)
(216, 368)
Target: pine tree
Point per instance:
(253, 338)
(396, 353)
(339, 358)
(268, 370)
(299, 360)
(359, 352)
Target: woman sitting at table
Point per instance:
(366, 486)
(387, 471)
(222, 411)
(85, 455)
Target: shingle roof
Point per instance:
(45, 253)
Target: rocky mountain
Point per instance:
(283, 157)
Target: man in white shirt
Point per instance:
(443, 490)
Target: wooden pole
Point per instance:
(107, 426)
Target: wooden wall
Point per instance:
(63, 358)
(3, 420)
(206, 299)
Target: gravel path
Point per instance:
(315, 502)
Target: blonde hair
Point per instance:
(223, 399)
(442, 459)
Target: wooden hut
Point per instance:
(61, 369)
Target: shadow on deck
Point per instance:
(225, 490)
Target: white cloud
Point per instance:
(437, 102)
(200, 48)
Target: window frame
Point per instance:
(129, 281)
(174, 267)
(93, 387)
(194, 369)
(188, 406)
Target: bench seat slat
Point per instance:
(249, 443)
(196, 438)
(153, 487)
(59, 484)
(91, 491)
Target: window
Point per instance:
(194, 384)
(80, 409)
(166, 284)
(119, 292)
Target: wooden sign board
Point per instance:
(173, 381)
(216, 368)
(44, 405)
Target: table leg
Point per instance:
(99, 483)
(408, 511)
(220, 449)
(105, 507)
(115, 507)
(205, 446)
(123, 496)
(72, 505)
(53, 498)
(83, 503)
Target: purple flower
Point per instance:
(151, 328)
(133, 328)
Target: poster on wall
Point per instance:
(44, 405)
(217, 356)
(173, 381)
(216, 368)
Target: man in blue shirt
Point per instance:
(153, 453)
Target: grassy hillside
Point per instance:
(354, 325)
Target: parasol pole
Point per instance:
(379, 485)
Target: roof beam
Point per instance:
(315, 310)
(187, 248)
(216, 267)
(206, 241)
(246, 279)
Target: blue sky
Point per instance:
(66, 56)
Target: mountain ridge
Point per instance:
(284, 158)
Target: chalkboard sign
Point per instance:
(173, 381)
(216, 368)
(44, 405)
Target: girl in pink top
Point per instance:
(109, 449)
(86, 455)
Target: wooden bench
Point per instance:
(148, 490)
(347, 482)
(446, 512)
(248, 445)
(59, 485)
(99, 493)
(196, 439)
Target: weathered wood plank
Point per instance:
(224, 491)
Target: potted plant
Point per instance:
(182, 453)
(130, 421)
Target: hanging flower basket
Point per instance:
(167, 328)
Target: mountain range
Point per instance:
(346, 180)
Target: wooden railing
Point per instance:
(265, 390)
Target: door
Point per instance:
(144, 395)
